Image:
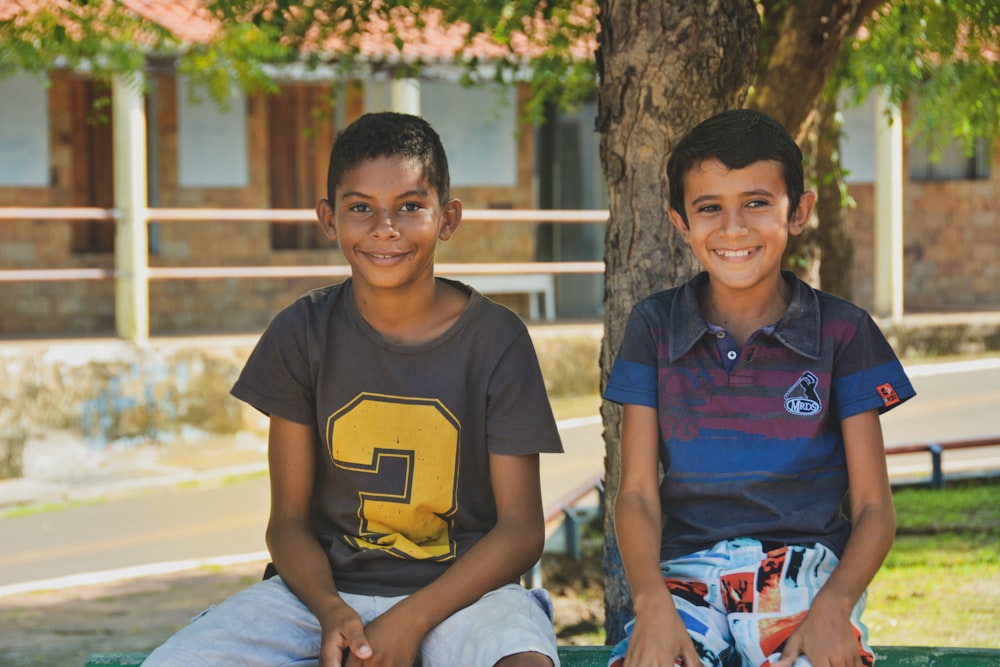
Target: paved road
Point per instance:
(957, 401)
(174, 528)
(177, 527)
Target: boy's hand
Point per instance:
(660, 640)
(343, 637)
(826, 638)
(394, 641)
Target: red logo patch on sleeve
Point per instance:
(888, 394)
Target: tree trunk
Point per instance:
(822, 254)
(801, 43)
(663, 67)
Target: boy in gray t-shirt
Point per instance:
(407, 413)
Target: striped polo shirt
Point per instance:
(750, 440)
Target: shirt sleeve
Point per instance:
(869, 376)
(519, 415)
(276, 378)
(633, 378)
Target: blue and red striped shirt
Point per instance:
(750, 440)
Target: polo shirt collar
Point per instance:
(798, 329)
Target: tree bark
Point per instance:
(822, 254)
(836, 267)
(801, 43)
(662, 68)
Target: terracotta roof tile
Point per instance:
(190, 22)
(187, 20)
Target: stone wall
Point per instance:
(110, 394)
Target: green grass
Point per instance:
(44, 507)
(962, 506)
(940, 585)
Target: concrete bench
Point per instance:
(597, 656)
(533, 284)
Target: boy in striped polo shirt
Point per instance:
(759, 397)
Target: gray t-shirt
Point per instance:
(403, 431)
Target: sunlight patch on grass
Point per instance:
(946, 551)
(940, 584)
(935, 605)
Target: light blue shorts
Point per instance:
(741, 600)
(268, 625)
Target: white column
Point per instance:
(131, 202)
(888, 287)
(404, 96)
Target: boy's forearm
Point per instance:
(502, 555)
(872, 513)
(303, 566)
(638, 530)
(871, 538)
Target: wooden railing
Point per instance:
(936, 451)
(533, 278)
(289, 216)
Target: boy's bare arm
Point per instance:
(502, 555)
(872, 532)
(659, 635)
(295, 551)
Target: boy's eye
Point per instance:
(411, 207)
(709, 208)
(757, 203)
(359, 208)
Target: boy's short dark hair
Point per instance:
(736, 138)
(389, 134)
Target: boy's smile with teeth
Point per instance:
(738, 222)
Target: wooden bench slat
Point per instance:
(597, 656)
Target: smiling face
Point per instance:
(738, 222)
(387, 218)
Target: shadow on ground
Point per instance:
(61, 628)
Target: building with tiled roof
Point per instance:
(263, 151)
(269, 151)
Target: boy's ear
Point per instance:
(451, 218)
(678, 221)
(324, 213)
(802, 212)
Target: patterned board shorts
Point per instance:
(741, 600)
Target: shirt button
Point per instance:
(720, 334)
(731, 355)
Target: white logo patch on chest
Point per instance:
(802, 398)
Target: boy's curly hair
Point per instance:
(389, 134)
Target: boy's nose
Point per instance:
(384, 225)
(733, 223)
